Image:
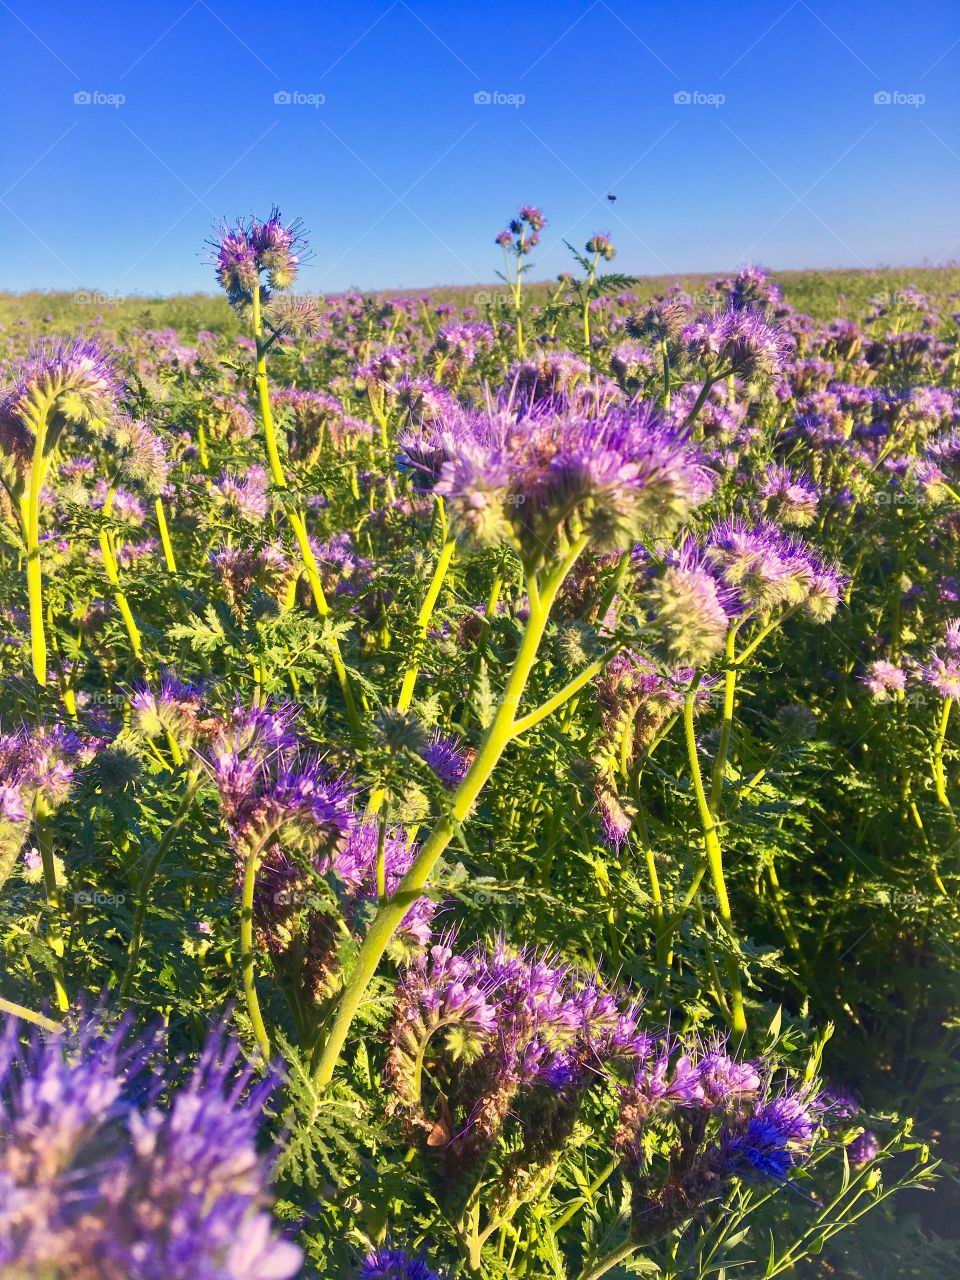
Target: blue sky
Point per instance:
(782, 155)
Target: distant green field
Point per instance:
(823, 294)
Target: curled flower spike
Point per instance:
(738, 340)
(102, 1179)
(249, 250)
(691, 607)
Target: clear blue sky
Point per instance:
(403, 179)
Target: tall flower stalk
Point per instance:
(550, 483)
(244, 255)
(57, 387)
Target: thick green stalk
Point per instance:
(250, 868)
(30, 517)
(169, 557)
(714, 855)
(423, 624)
(939, 773)
(726, 727)
(113, 573)
(495, 740)
(27, 1015)
(52, 891)
(586, 302)
(608, 1261)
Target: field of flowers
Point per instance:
(479, 778)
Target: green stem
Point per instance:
(714, 854)
(423, 625)
(495, 741)
(27, 1015)
(294, 517)
(608, 1261)
(31, 529)
(169, 557)
(939, 774)
(726, 728)
(113, 573)
(54, 932)
(251, 865)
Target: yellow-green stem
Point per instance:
(250, 868)
(295, 518)
(495, 741)
(714, 856)
(169, 557)
(423, 625)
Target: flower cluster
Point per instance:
(59, 384)
(248, 250)
(523, 232)
(513, 1038)
(719, 1119)
(741, 570)
(527, 473)
(270, 789)
(99, 1179)
(737, 340)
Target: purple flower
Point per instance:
(395, 1264)
(58, 383)
(691, 607)
(884, 679)
(269, 789)
(247, 250)
(792, 499)
(244, 496)
(738, 340)
(526, 468)
(863, 1148)
(943, 675)
(98, 1178)
(775, 1139)
(447, 757)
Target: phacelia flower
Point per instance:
(248, 250)
(100, 1179)
(884, 680)
(395, 1264)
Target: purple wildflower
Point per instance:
(447, 757)
(884, 680)
(98, 1178)
(395, 1264)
